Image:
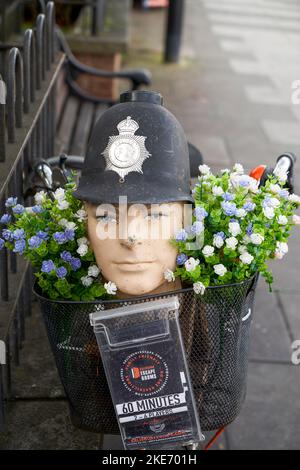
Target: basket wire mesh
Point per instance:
(216, 333)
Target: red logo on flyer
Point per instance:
(144, 373)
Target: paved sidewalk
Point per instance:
(232, 93)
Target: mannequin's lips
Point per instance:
(134, 265)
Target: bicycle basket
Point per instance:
(216, 333)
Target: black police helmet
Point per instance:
(137, 149)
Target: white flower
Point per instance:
(282, 220)
(71, 226)
(220, 269)
(274, 202)
(86, 281)
(191, 264)
(199, 288)
(93, 270)
(234, 228)
(241, 213)
(275, 188)
(218, 241)
(208, 250)
(269, 212)
(256, 238)
(238, 168)
(110, 288)
(82, 250)
(246, 239)
(82, 241)
(296, 219)
(63, 222)
(294, 198)
(169, 275)
(281, 250)
(231, 243)
(63, 204)
(81, 215)
(59, 194)
(281, 174)
(246, 258)
(68, 225)
(204, 169)
(40, 197)
(242, 249)
(217, 191)
(224, 170)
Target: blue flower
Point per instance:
(60, 237)
(37, 209)
(284, 193)
(66, 256)
(249, 229)
(266, 202)
(18, 209)
(221, 234)
(244, 181)
(234, 221)
(249, 206)
(181, 259)
(197, 227)
(11, 201)
(2, 242)
(48, 266)
(75, 263)
(43, 235)
(228, 197)
(8, 235)
(18, 234)
(200, 213)
(5, 219)
(20, 246)
(181, 236)
(69, 234)
(229, 208)
(61, 272)
(34, 242)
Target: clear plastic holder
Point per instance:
(143, 355)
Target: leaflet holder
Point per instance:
(144, 360)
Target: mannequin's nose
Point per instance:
(130, 241)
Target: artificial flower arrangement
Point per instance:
(240, 225)
(51, 235)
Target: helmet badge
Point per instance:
(126, 152)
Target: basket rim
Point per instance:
(141, 297)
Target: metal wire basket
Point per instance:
(216, 334)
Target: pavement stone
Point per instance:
(270, 340)
(291, 308)
(270, 417)
(41, 425)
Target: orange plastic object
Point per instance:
(257, 172)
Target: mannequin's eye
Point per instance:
(156, 216)
(106, 218)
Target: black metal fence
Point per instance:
(27, 132)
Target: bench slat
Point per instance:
(82, 130)
(67, 126)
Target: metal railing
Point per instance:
(27, 133)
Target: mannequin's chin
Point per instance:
(129, 289)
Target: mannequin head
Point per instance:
(132, 244)
(137, 151)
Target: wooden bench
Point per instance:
(77, 110)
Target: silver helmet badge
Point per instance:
(126, 152)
